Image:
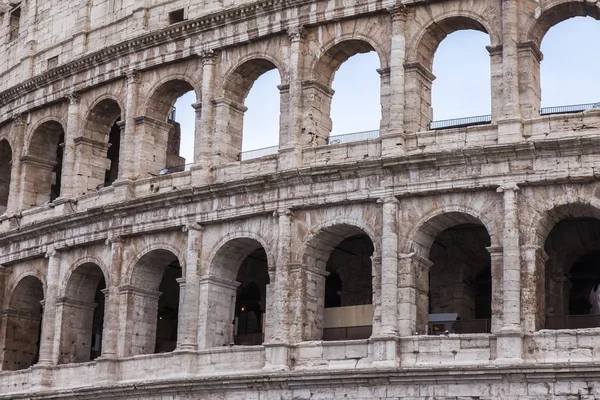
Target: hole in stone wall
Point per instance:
(176, 16)
(180, 147)
(114, 142)
(52, 62)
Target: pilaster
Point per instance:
(132, 151)
(15, 196)
(49, 340)
(69, 189)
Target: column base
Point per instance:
(509, 346)
(277, 357)
(510, 130)
(384, 352)
(124, 189)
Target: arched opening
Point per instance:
(100, 146)
(250, 299)
(356, 102)
(567, 66)
(419, 77)
(82, 315)
(344, 305)
(264, 108)
(572, 274)
(462, 90)
(5, 172)
(353, 113)
(460, 275)
(43, 164)
(262, 118)
(23, 322)
(242, 266)
(170, 120)
(153, 300)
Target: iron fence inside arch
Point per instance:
(251, 154)
(460, 122)
(353, 137)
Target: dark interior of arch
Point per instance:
(24, 323)
(83, 319)
(331, 61)
(560, 13)
(5, 171)
(102, 125)
(113, 153)
(250, 301)
(460, 278)
(168, 308)
(572, 273)
(47, 144)
(238, 84)
(438, 32)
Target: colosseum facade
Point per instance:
(322, 271)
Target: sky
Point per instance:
(570, 74)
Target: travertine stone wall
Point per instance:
(75, 71)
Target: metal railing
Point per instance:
(251, 154)
(460, 122)
(568, 109)
(353, 137)
(172, 170)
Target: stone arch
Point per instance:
(230, 109)
(6, 157)
(318, 91)
(454, 271)
(435, 221)
(419, 61)
(153, 298)
(82, 308)
(100, 143)
(557, 11)
(241, 266)
(22, 324)
(567, 265)
(158, 123)
(42, 164)
(162, 247)
(338, 264)
(86, 260)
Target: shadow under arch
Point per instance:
(6, 157)
(42, 163)
(455, 289)
(153, 298)
(22, 330)
(241, 267)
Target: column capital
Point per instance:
(283, 212)
(52, 252)
(506, 187)
(388, 200)
(19, 118)
(208, 56)
(296, 33)
(193, 226)
(74, 98)
(133, 76)
(113, 240)
(398, 12)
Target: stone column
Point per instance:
(110, 330)
(418, 113)
(533, 293)
(137, 331)
(15, 197)
(205, 121)
(290, 150)
(510, 334)
(69, 189)
(187, 333)
(497, 258)
(530, 57)
(75, 319)
(392, 138)
(510, 125)
(217, 310)
(4, 306)
(132, 151)
(389, 269)
(496, 71)
(49, 340)
(277, 326)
